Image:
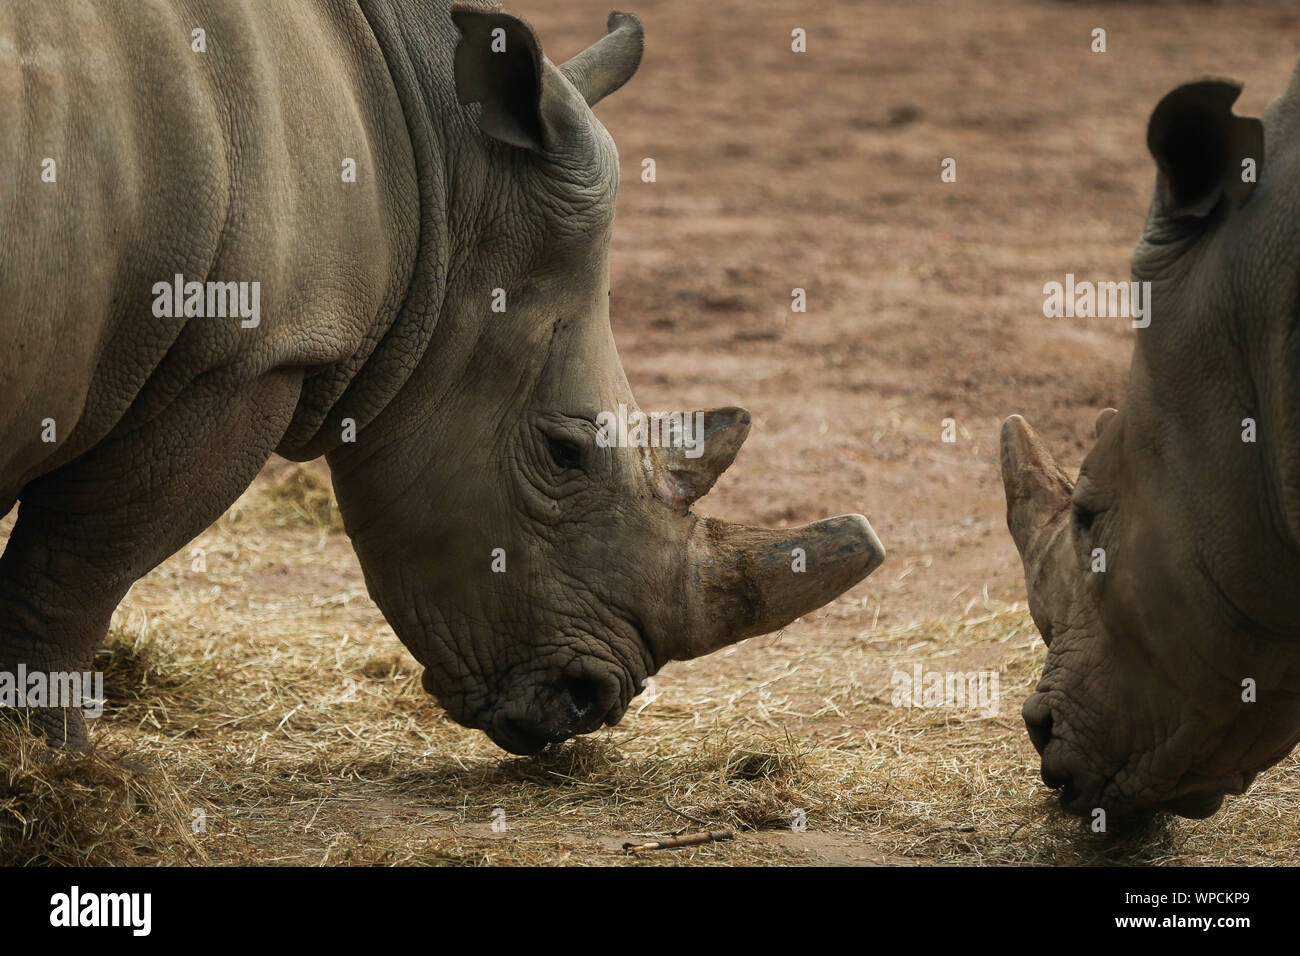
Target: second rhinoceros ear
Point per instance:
(499, 65)
(1201, 149)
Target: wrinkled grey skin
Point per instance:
(476, 170)
(1140, 706)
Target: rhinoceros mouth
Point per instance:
(1194, 806)
(525, 739)
(1205, 801)
(520, 742)
(1194, 801)
(1087, 781)
(1086, 801)
(580, 697)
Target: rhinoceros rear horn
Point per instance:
(748, 581)
(1202, 149)
(610, 62)
(707, 446)
(1036, 487)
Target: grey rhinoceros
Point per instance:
(1166, 578)
(374, 230)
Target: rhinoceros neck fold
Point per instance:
(416, 44)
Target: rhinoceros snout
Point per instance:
(1053, 775)
(1083, 789)
(568, 708)
(1038, 721)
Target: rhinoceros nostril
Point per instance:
(580, 697)
(1038, 721)
(1040, 732)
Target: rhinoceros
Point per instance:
(375, 231)
(1164, 579)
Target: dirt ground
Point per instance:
(775, 170)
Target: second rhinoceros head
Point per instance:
(1163, 578)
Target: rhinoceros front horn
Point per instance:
(609, 62)
(1036, 487)
(749, 581)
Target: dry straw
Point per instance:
(261, 712)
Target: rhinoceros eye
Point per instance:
(1082, 517)
(565, 453)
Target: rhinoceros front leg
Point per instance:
(87, 531)
(54, 612)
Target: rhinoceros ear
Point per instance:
(1201, 149)
(499, 65)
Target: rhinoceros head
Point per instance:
(539, 560)
(1163, 578)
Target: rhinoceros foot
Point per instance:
(61, 727)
